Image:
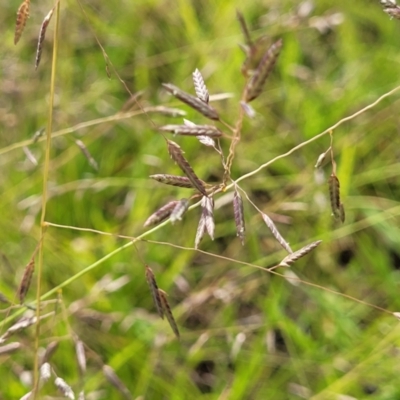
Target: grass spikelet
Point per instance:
(22, 17)
(179, 210)
(334, 193)
(206, 222)
(42, 35)
(112, 377)
(167, 111)
(274, 230)
(248, 109)
(176, 154)
(64, 388)
(194, 102)
(168, 312)
(195, 130)
(291, 258)
(244, 29)
(9, 348)
(200, 87)
(239, 215)
(87, 154)
(206, 140)
(45, 372)
(161, 214)
(80, 356)
(173, 180)
(50, 350)
(391, 8)
(255, 84)
(26, 281)
(151, 280)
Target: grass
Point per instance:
(245, 332)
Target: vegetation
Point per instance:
(73, 208)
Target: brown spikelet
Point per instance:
(64, 388)
(342, 213)
(173, 180)
(195, 130)
(268, 221)
(194, 102)
(22, 16)
(87, 154)
(200, 87)
(291, 258)
(26, 281)
(112, 377)
(176, 154)
(334, 193)
(161, 214)
(255, 84)
(42, 35)
(50, 350)
(239, 215)
(206, 140)
(244, 28)
(151, 280)
(179, 210)
(9, 348)
(168, 312)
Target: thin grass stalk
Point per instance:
(46, 169)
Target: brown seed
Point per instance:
(151, 280)
(255, 84)
(291, 258)
(194, 102)
(26, 281)
(22, 16)
(42, 35)
(239, 215)
(161, 214)
(195, 130)
(168, 312)
(274, 230)
(176, 154)
(200, 87)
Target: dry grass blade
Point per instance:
(168, 312)
(200, 87)
(64, 388)
(112, 377)
(22, 16)
(239, 215)
(173, 180)
(87, 154)
(268, 221)
(194, 102)
(26, 281)
(195, 130)
(179, 210)
(80, 356)
(42, 35)
(161, 214)
(9, 348)
(176, 154)
(291, 258)
(254, 86)
(334, 193)
(151, 280)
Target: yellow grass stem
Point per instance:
(46, 169)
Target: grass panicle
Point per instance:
(42, 36)
(291, 258)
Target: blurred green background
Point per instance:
(245, 334)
